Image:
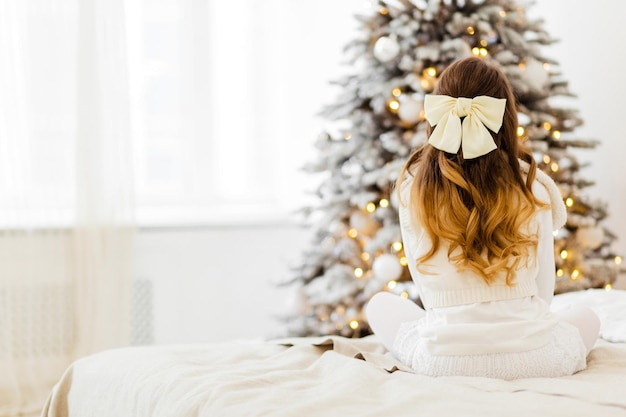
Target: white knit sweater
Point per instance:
(445, 286)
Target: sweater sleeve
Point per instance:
(410, 240)
(554, 198)
(549, 220)
(545, 248)
(545, 257)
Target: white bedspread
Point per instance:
(329, 376)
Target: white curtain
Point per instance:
(66, 208)
(219, 98)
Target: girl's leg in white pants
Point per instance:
(585, 320)
(386, 312)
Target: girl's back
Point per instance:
(477, 220)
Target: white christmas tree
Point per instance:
(357, 248)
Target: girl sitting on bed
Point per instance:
(477, 221)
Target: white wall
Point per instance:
(217, 283)
(591, 54)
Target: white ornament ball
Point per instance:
(362, 222)
(410, 109)
(523, 119)
(386, 268)
(386, 49)
(535, 75)
(590, 237)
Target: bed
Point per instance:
(333, 376)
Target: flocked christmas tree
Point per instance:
(357, 248)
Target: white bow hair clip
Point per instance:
(480, 113)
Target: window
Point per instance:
(223, 103)
(224, 98)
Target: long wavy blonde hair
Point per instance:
(481, 206)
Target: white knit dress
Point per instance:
(495, 331)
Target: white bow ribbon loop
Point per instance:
(481, 113)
